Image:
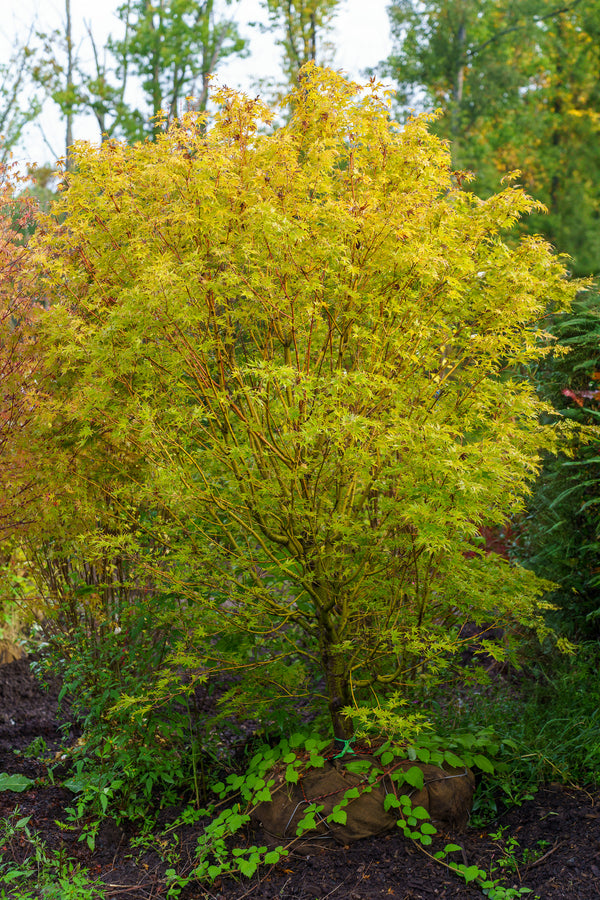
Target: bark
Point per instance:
(338, 692)
(458, 86)
(69, 85)
(339, 695)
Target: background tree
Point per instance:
(14, 82)
(245, 335)
(559, 535)
(517, 85)
(304, 25)
(103, 91)
(57, 71)
(173, 46)
(529, 99)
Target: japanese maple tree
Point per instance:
(297, 349)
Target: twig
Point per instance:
(439, 860)
(337, 887)
(536, 862)
(123, 888)
(260, 881)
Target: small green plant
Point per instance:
(546, 725)
(512, 857)
(140, 738)
(29, 870)
(510, 852)
(489, 882)
(533, 854)
(37, 749)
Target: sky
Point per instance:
(360, 37)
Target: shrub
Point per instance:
(560, 532)
(282, 384)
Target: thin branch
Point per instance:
(473, 52)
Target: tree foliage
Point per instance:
(169, 48)
(518, 85)
(281, 379)
(304, 25)
(174, 46)
(17, 369)
(15, 114)
(560, 533)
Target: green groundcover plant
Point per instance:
(280, 379)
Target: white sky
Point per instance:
(361, 40)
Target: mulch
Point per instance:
(556, 854)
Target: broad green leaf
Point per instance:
(470, 873)
(453, 760)
(414, 777)
(317, 762)
(15, 783)
(291, 774)
(307, 823)
(483, 763)
(214, 871)
(247, 867)
(338, 815)
(419, 812)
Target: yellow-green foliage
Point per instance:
(297, 350)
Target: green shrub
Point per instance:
(560, 535)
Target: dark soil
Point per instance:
(557, 855)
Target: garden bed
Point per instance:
(550, 844)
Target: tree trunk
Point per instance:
(457, 91)
(338, 693)
(313, 37)
(157, 99)
(556, 138)
(69, 86)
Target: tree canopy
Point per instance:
(304, 25)
(517, 83)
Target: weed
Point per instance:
(29, 870)
(512, 857)
(37, 749)
(546, 726)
